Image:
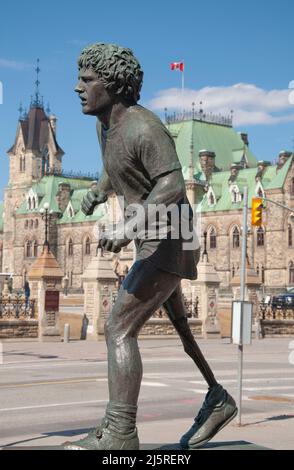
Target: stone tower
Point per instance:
(35, 153)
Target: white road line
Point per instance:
(53, 405)
(255, 389)
(154, 384)
(195, 390)
(263, 379)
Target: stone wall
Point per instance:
(18, 329)
(276, 328)
(162, 326)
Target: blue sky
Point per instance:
(238, 55)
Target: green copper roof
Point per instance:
(272, 179)
(47, 189)
(223, 140)
(1, 216)
(279, 176)
(79, 216)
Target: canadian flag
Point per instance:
(177, 66)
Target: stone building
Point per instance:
(217, 164)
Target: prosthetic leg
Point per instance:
(219, 408)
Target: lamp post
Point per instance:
(65, 284)
(46, 216)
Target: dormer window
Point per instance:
(259, 191)
(70, 211)
(211, 197)
(235, 194)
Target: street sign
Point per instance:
(241, 322)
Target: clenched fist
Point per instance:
(92, 199)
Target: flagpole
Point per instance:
(183, 87)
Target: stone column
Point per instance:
(45, 278)
(99, 282)
(206, 288)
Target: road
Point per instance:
(52, 391)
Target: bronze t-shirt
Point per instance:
(136, 151)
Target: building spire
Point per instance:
(37, 100)
(20, 110)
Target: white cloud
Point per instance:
(13, 64)
(251, 105)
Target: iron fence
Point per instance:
(268, 312)
(15, 306)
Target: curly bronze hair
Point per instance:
(116, 66)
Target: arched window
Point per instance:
(290, 235)
(234, 196)
(22, 163)
(33, 203)
(260, 237)
(26, 224)
(70, 247)
(291, 273)
(29, 249)
(87, 246)
(35, 249)
(31, 223)
(257, 270)
(212, 238)
(233, 271)
(29, 203)
(236, 238)
(292, 187)
(36, 223)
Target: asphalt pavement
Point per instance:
(52, 392)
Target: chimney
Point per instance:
(283, 157)
(234, 172)
(207, 162)
(244, 137)
(63, 196)
(261, 166)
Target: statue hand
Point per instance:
(91, 200)
(113, 240)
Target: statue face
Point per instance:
(95, 99)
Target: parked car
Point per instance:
(283, 301)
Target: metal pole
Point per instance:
(66, 333)
(242, 298)
(46, 227)
(183, 86)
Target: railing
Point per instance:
(268, 312)
(192, 307)
(199, 116)
(15, 306)
(73, 174)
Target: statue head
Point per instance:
(116, 67)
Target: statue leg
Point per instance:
(143, 291)
(218, 408)
(177, 313)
